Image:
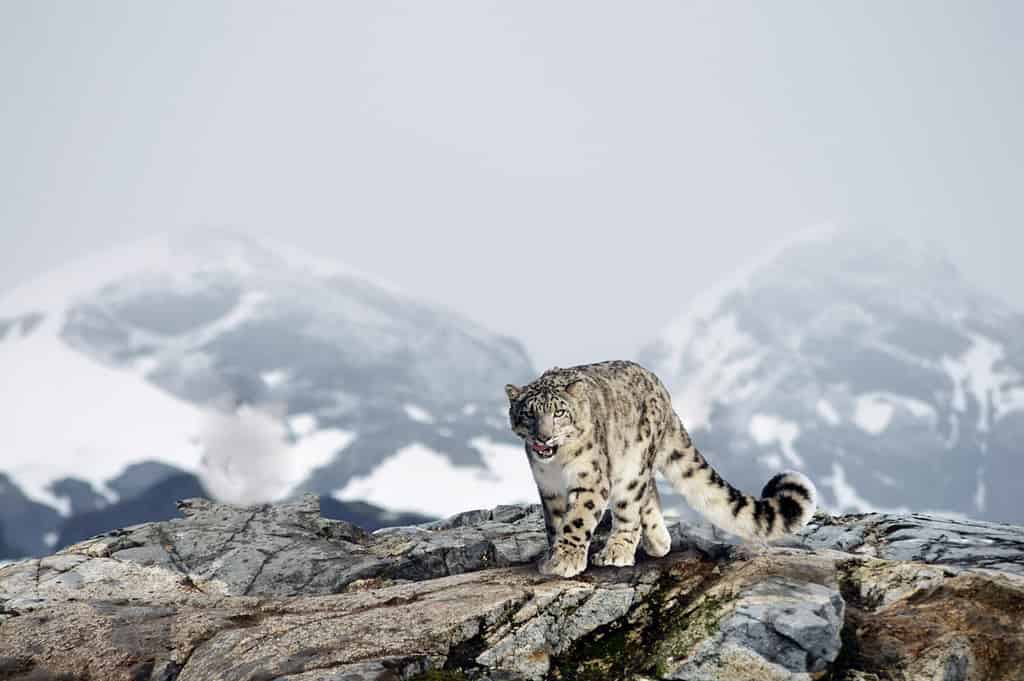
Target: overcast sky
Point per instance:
(569, 173)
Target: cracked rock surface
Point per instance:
(276, 592)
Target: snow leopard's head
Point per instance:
(549, 413)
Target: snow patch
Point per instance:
(918, 408)
(718, 363)
(847, 499)
(312, 451)
(997, 391)
(66, 415)
(886, 480)
(248, 458)
(689, 325)
(302, 424)
(827, 412)
(418, 414)
(144, 366)
(873, 413)
(272, 379)
(420, 479)
(767, 429)
(1013, 400)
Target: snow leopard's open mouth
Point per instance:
(542, 450)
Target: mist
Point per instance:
(505, 159)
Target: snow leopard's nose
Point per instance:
(545, 427)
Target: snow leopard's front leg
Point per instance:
(573, 518)
(628, 500)
(553, 505)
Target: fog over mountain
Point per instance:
(870, 364)
(216, 363)
(261, 370)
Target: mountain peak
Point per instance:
(261, 368)
(830, 266)
(864, 360)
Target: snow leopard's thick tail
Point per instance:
(787, 502)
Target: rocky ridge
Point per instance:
(277, 592)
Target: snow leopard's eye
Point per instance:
(560, 413)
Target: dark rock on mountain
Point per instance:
(160, 502)
(139, 477)
(152, 505)
(79, 495)
(26, 524)
(6, 550)
(367, 516)
(277, 592)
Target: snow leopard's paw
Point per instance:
(619, 551)
(564, 563)
(657, 541)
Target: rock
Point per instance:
(933, 622)
(922, 537)
(277, 592)
(779, 627)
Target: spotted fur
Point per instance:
(594, 436)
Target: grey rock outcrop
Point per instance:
(277, 592)
(924, 538)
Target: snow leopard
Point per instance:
(594, 436)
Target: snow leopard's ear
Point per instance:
(513, 392)
(575, 389)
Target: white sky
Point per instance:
(568, 173)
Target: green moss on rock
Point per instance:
(676, 611)
(441, 675)
(685, 628)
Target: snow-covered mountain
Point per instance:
(260, 370)
(212, 362)
(870, 364)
